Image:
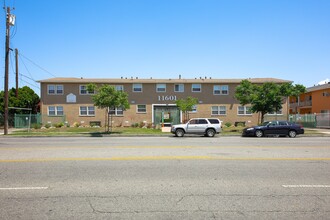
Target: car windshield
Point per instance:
(265, 123)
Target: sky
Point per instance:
(285, 39)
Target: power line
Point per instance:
(38, 65)
(30, 84)
(26, 67)
(27, 77)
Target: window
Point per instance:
(83, 90)
(218, 110)
(283, 123)
(224, 90)
(55, 110)
(196, 87)
(55, 89)
(216, 90)
(202, 121)
(214, 121)
(161, 87)
(179, 88)
(116, 111)
(119, 87)
(279, 112)
(137, 87)
(87, 111)
(141, 109)
(193, 121)
(193, 109)
(244, 110)
(220, 90)
(51, 89)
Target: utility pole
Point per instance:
(10, 21)
(16, 57)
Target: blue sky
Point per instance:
(287, 39)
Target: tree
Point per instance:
(186, 105)
(107, 97)
(267, 97)
(27, 99)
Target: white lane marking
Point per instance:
(24, 188)
(306, 186)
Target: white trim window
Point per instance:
(178, 87)
(119, 111)
(160, 87)
(55, 89)
(87, 110)
(193, 109)
(224, 90)
(141, 109)
(55, 111)
(244, 110)
(196, 88)
(218, 110)
(119, 87)
(279, 112)
(84, 91)
(137, 87)
(216, 90)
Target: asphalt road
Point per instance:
(165, 178)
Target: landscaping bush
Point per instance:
(48, 125)
(36, 126)
(135, 125)
(59, 125)
(76, 124)
(240, 124)
(228, 124)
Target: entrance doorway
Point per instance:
(171, 114)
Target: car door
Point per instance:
(272, 128)
(284, 127)
(202, 125)
(192, 126)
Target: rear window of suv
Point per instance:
(214, 121)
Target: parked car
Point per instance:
(278, 128)
(205, 126)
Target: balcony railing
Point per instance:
(307, 103)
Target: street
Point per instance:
(164, 178)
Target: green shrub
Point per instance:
(36, 126)
(48, 125)
(241, 124)
(59, 125)
(135, 125)
(76, 124)
(228, 124)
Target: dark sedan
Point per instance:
(274, 128)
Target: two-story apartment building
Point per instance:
(150, 100)
(315, 100)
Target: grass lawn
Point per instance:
(84, 131)
(99, 132)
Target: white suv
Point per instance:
(207, 126)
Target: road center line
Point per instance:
(25, 188)
(149, 158)
(306, 186)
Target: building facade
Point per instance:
(315, 100)
(151, 100)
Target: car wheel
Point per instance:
(292, 134)
(210, 133)
(259, 133)
(179, 133)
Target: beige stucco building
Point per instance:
(149, 99)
